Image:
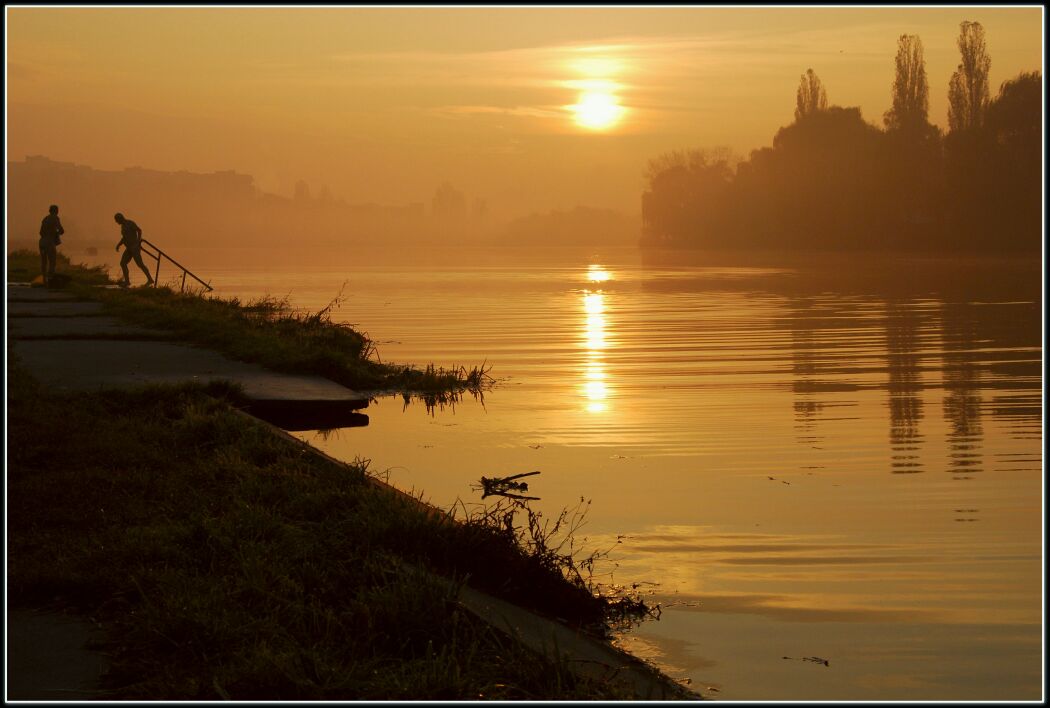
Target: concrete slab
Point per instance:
(26, 292)
(48, 660)
(309, 415)
(53, 308)
(584, 654)
(62, 327)
(89, 364)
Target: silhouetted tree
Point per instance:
(911, 93)
(827, 168)
(968, 89)
(758, 199)
(686, 197)
(912, 155)
(833, 181)
(810, 96)
(1013, 127)
(968, 151)
(1014, 118)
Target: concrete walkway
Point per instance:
(583, 655)
(73, 345)
(47, 658)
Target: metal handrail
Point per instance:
(157, 256)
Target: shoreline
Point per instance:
(585, 686)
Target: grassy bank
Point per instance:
(266, 331)
(225, 562)
(24, 265)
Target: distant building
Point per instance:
(448, 203)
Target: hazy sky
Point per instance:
(384, 104)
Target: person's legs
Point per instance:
(138, 260)
(48, 255)
(52, 257)
(124, 260)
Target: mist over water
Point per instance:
(833, 457)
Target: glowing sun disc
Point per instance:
(597, 110)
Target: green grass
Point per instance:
(23, 265)
(265, 331)
(225, 562)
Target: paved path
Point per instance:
(74, 346)
(584, 655)
(59, 307)
(58, 327)
(47, 659)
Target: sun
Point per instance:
(597, 110)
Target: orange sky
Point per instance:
(384, 104)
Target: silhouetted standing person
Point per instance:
(50, 236)
(130, 236)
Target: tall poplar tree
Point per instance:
(811, 96)
(911, 92)
(968, 89)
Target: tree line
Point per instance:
(833, 181)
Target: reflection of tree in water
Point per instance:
(822, 332)
(903, 322)
(1014, 379)
(962, 398)
(804, 369)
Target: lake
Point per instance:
(824, 460)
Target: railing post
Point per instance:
(156, 273)
(183, 288)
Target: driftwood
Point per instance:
(506, 486)
(814, 659)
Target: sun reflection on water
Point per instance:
(595, 389)
(597, 274)
(595, 332)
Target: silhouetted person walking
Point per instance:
(130, 236)
(50, 236)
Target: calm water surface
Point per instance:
(838, 459)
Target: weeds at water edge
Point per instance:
(549, 554)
